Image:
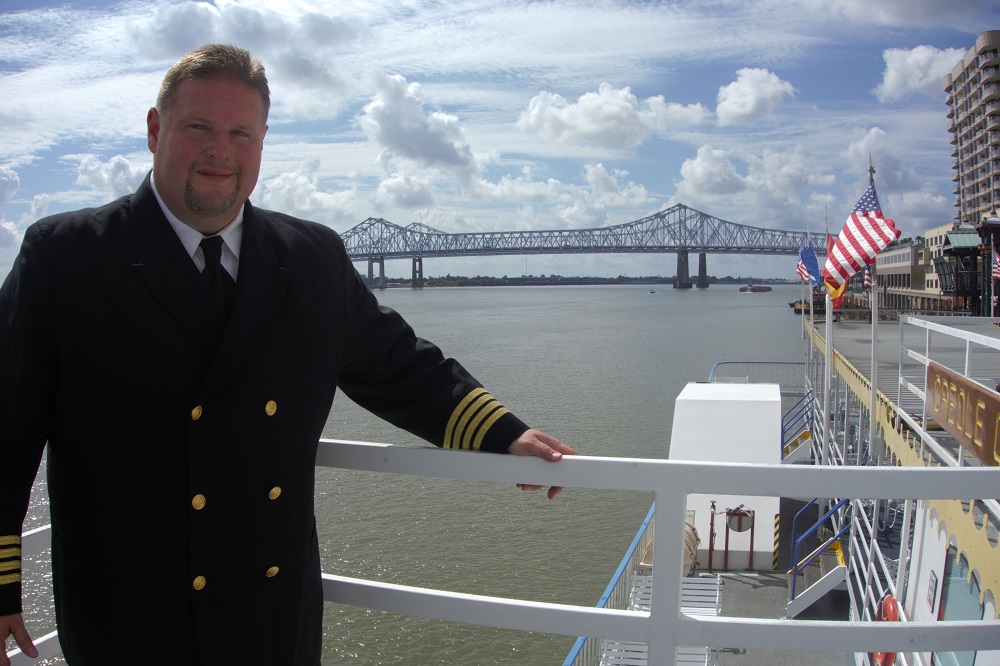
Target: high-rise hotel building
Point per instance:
(973, 90)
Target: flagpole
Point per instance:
(993, 280)
(828, 351)
(874, 373)
(828, 378)
(802, 300)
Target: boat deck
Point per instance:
(763, 595)
(853, 340)
(699, 596)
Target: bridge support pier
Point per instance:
(681, 280)
(381, 272)
(702, 270)
(417, 281)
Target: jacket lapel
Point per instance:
(260, 286)
(164, 267)
(160, 261)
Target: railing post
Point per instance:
(668, 562)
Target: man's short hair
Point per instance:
(215, 61)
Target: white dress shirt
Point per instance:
(232, 236)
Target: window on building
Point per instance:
(959, 601)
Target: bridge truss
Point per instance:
(678, 229)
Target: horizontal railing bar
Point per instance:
(671, 480)
(952, 332)
(35, 541)
(47, 646)
(689, 477)
(701, 630)
(487, 611)
(834, 636)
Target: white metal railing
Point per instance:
(586, 651)
(664, 628)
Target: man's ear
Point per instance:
(152, 129)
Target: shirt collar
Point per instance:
(232, 234)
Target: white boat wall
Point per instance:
(910, 475)
(730, 422)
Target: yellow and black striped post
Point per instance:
(777, 541)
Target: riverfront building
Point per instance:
(973, 90)
(951, 267)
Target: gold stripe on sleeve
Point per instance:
(459, 408)
(10, 579)
(457, 421)
(487, 425)
(10, 565)
(10, 540)
(470, 420)
(7, 553)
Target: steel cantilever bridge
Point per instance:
(678, 229)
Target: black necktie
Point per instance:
(220, 282)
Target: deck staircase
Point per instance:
(798, 448)
(827, 572)
(796, 430)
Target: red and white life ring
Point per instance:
(886, 611)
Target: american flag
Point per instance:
(996, 265)
(868, 278)
(802, 271)
(865, 234)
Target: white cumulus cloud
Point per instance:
(11, 231)
(296, 51)
(753, 96)
(9, 184)
(176, 29)
(297, 194)
(612, 117)
(918, 70)
(114, 178)
(611, 188)
(404, 129)
(407, 190)
(709, 173)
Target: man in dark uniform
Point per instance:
(179, 350)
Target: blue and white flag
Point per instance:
(807, 257)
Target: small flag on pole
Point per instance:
(802, 271)
(808, 267)
(996, 265)
(836, 293)
(868, 279)
(866, 233)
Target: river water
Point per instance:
(597, 366)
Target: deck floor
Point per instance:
(763, 595)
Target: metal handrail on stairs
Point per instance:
(797, 566)
(798, 418)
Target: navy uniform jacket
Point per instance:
(181, 467)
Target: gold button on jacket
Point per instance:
(272, 572)
(270, 408)
(196, 413)
(199, 583)
(198, 502)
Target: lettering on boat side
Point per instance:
(968, 411)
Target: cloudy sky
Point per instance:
(497, 115)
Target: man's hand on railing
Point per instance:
(13, 625)
(535, 443)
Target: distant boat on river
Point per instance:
(754, 289)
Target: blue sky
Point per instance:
(496, 115)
